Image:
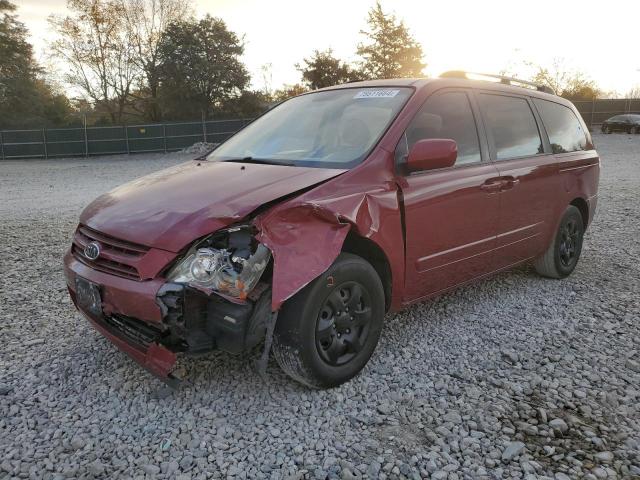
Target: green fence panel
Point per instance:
(105, 133)
(106, 140)
(65, 135)
(144, 131)
(24, 150)
(218, 126)
(110, 140)
(218, 131)
(182, 135)
(178, 143)
(22, 136)
(107, 147)
(145, 138)
(22, 143)
(141, 145)
(180, 129)
(65, 142)
(65, 149)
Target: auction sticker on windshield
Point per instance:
(370, 93)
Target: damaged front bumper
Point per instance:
(153, 321)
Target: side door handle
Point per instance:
(508, 182)
(492, 185)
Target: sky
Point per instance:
(474, 35)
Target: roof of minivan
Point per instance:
(437, 82)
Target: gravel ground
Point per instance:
(513, 377)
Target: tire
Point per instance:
(606, 130)
(563, 254)
(319, 344)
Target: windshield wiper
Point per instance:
(263, 161)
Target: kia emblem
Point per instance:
(92, 250)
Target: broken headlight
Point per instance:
(230, 262)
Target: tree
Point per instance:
(633, 93)
(17, 67)
(146, 21)
(288, 91)
(26, 99)
(249, 104)
(391, 51)
(324, 70)
(96, 47)
(200, 67)
(570, 84)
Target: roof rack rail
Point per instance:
(503, 79)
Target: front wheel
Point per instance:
(326, 333)
(564, 252)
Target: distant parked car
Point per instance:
(629, 123)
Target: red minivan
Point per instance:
(334, 207)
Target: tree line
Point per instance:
(126, 61)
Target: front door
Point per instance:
(451, 215)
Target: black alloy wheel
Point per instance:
(343, 323)
(563, 253)
(569, 240)
(326, 333)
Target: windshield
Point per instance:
(331, 129)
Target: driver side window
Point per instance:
(447, 115)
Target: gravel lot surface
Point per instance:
(513, 377)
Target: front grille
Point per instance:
(117, 257)
(133, 330)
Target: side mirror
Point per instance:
(432, 153)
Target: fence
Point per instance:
(85, 141)
(598, 110)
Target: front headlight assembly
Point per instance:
(230, 261)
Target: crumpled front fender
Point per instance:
(304, 240)
(306, 235)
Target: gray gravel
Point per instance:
(513, 377)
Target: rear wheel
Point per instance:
(328, 331)
(563, 254)
(606, 129)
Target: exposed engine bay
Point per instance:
(218, 294)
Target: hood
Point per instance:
(171, 208)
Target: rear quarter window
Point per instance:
(563, 127)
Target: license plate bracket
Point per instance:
(89, 297)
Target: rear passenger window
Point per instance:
(448, 115)
(563, 127)
(512, 125)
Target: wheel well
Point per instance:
(582, 205)
(372, 253)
